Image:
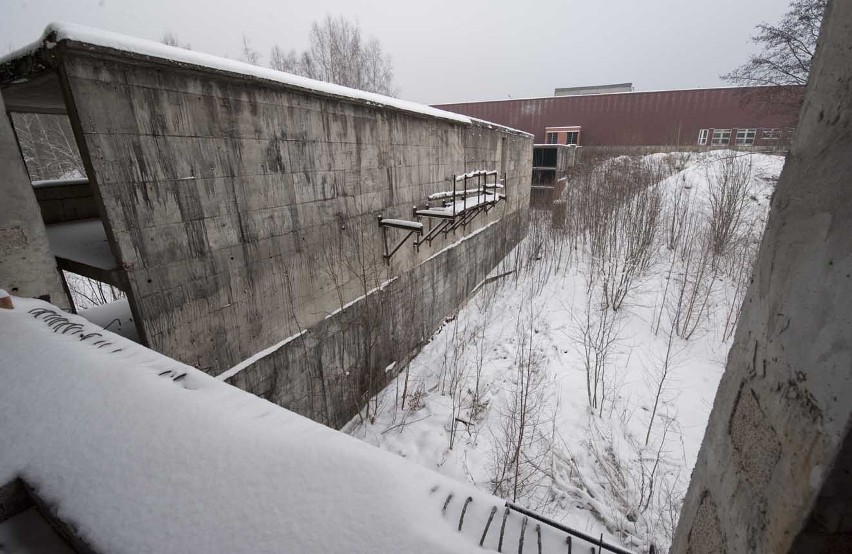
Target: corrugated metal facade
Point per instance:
(644, 118)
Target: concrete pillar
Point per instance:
(27, 267)
(773, 471)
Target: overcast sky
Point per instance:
(459, 50)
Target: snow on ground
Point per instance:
(83, 241)
(113, 316)
(591, 469)
(141, 453)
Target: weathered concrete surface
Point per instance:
(27, 268)
(64, 202)
(776, 450)
(321, 373)
(245, 212)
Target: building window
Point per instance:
(551, 138)
(721, 136)
(702, 137)
(572, 137)
(771, 134)
(745, 137)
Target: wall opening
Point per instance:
(101, 303)
(67, 202)
(48, 146)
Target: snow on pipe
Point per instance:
(464, 509)
(475, 173)
(450, 193)
(58, 323)
(598, 544)
(503, 529)
(60, 182)
(413, 228)
(538, 536)
(447, 503)
(580, 535)
(488, 524)
(401, 224)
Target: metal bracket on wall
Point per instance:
(413, 227)
(433, 232)
(452, 213)
(458, 213)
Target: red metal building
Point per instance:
(736, 116)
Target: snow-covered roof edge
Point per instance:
(492, 125)
(536, 145)
(56, 32)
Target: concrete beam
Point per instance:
(773, 457)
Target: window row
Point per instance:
(744, 137)
(571, 137)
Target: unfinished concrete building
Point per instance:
(299, 239)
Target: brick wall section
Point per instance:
(656, 118)
(245, 212)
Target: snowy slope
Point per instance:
(140, 453)
(595, 471)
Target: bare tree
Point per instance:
(484, 302)
(339, 54)
(458, 373)
(786, 52)
(742, 264)
(787, 48)
(659, 378)
(249, 54)
(364, 264)
(86, 293)
(48, 146)
(282, 60)
(171, 39)
(696, 282)
(596, 334)
(728, 182)
(523, 444)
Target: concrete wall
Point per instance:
(27, 268)
(246, 212)
(773, 456)
(321, 374)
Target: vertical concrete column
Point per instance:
(27, 267)
(774, 446)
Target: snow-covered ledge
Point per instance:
(139, 453)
